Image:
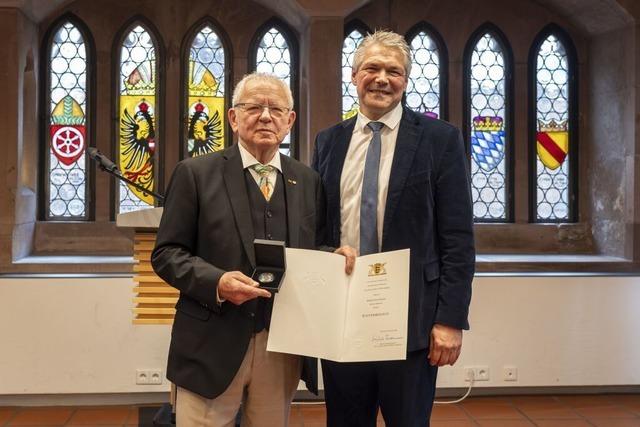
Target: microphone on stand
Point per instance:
(111, 168)
(102, 160)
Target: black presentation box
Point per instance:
(270, 264)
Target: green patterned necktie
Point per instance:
(266, 187)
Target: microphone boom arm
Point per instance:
(108, 166)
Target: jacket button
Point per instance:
(269, 236)
(252, 314)
(269, 214)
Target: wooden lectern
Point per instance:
(154, 300)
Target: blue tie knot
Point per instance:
(375, 126)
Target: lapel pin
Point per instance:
(292, 181)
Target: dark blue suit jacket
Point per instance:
(428, 210)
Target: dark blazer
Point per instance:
(205, 231)
(428, 210)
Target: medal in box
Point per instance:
(270, 264)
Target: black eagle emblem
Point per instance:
(205, 133)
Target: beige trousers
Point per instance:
(267, 381)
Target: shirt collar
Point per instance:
(248, 160)
(390, 119)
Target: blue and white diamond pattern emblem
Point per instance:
(487, 148)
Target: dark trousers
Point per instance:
(403, 389)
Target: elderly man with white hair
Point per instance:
(216, 205)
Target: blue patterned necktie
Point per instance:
(369, 201)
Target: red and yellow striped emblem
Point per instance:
(552, 143)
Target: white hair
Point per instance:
(261, 78)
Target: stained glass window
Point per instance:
(274, 57)
(137, 141)
(552, 131)
(205, 101)
(487, 107)
(423, 89)
(349, 93)
(67, 106)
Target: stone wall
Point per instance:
(18, 124)
(611, 174)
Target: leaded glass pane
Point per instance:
(274, 57)
(423, 89)
(205, 104)
(137, 118)
(349, 93)
(67, 125)
(487, 108)
(552, 131)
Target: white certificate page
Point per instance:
(322, 312)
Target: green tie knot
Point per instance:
(262, 170)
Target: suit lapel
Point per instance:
(336, 163)
(406, 146)
(237, 192)
(292, 197)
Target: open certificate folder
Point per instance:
(322, 312)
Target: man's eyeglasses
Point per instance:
(252, 109)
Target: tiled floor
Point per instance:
(514, 411)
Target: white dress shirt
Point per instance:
(353, 172)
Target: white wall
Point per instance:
(558, 331)
(75, 335)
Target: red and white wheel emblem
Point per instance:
(68, 144)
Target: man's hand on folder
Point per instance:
(350, 255)
(236, 287)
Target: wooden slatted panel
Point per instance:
(154, 310)
(154, 300)
(145, 237)
(143, 266)
(147, 289)
(144, 245)
(148, 279)
(154, 320)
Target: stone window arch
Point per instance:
(206, 77)
(274, 50)
(553, 112)
(354, 33)
(427, 91)
(488, 122)
(138, 142)
(67, 128)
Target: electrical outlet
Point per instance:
(510, 373)
(142, 376)
(155, 376)
(477, 373)
(148, 376)
(468, 373)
